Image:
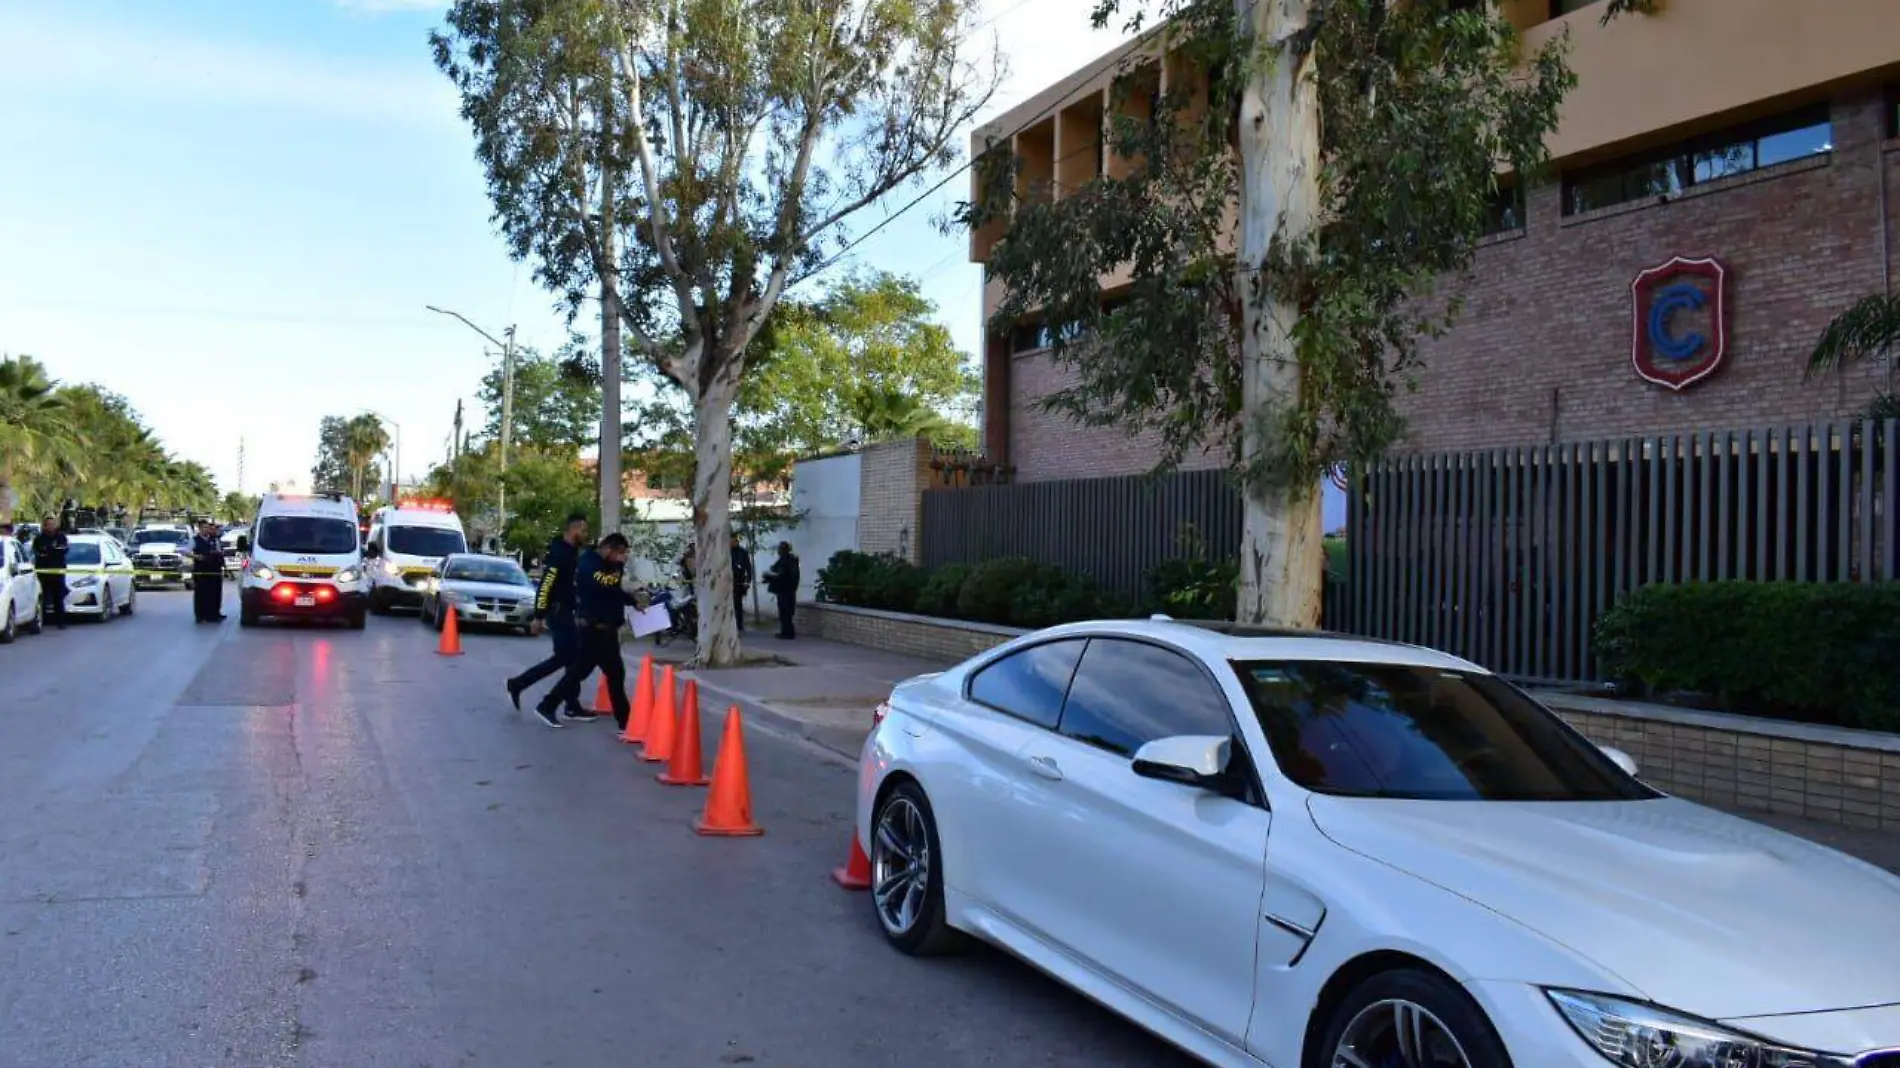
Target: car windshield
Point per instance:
(81, 553)
(168, 537)
(504, 571)
(1390, 730)
(306, 534)
(426, 541)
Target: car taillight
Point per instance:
(283, 592)
(877, 714)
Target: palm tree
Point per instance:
(1867, 329)
(37, 444)
(365, 441)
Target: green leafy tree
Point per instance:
(332, 473)
(556, 402)
(37, 436)
(693, 160)
(364, 439)
(1867, 330)
(867, 362)
(546, 484)
(238, 507)
(1358, 144)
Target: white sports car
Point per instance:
(1314, 851)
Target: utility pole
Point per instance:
(455, 441)
(240, 479)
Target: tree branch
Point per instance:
(649, 178)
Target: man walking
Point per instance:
(600, 609)
(554, 610)
(49, 558)
(741, 579)
(782, 581)
(207, 574)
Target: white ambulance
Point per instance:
(407, 541)
(305, 561)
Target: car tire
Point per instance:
(358, 618)
(377, 606)
(912, 918)
(1368, 1018)
(38, 622)
(106, 608)
(247, 612)
(131, 603)
(8, 631)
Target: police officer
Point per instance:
(741, 579)
(49, 558)
(554, 609)
(600, 608)
(207, 574)
(782, 581)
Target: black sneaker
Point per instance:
(546, 716)
(514, 694)
(576, 715)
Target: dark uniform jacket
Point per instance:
(741, 567)
(207, 556)
(556, 593)
(598, 599)
(49, 550)
(782, 578)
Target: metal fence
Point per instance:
(1110, 529)
(1508, 557)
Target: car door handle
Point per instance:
(1045, 767)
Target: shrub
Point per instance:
(870, 580)
(1824, 653)
(1193, 588)
(941, 589)
(990, 592)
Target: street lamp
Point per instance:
(507, 402)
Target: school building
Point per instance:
(1723, 185)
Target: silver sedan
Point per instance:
(488, 590)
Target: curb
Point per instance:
(838, 742)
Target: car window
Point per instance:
(1029, 684)
(1128, 693)
(1387, 730)
(82, 552)
(424, 541)
(309, 535)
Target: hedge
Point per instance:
(1011, 591)
(1816, 652)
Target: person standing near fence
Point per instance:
(782, 581)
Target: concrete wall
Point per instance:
(826, 494)
(1829, 774)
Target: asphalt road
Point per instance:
(225, 847)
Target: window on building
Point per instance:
(1504, 209)
(1686, 164)
(1560, 8)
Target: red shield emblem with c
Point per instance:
(1679, 328)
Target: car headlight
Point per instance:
(1635, 1035)
(262, 573)
(346, 575)
(85, 583)
(390, 568)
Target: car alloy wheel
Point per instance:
(907, 874)
(1396, 1033)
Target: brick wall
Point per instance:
(1541, 350)
(892, 476)
(1841, 777)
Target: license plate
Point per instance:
(306, 602)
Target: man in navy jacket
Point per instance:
(600, 610)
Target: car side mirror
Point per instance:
(1198, 760)
(1620, 759)
(243, 544)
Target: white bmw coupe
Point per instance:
(1314, 851)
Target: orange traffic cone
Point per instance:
(685, 768)
(603, 701)
(451, 643)
(636, 731)
(664, 724)
(856, 873)
(729, 802)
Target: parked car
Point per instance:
(162, 556)
(19, 591)
(490, 590)
(228, 540)
(99, 580)
(1315, 851)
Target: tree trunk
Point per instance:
(1281, 557)
(610, 443)
(712, 518)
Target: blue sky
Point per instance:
(233, 212)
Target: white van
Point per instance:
(306, 560)
(406, 543)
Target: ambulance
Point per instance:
(407, 541)
(305, 560)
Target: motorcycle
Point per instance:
(682, 614)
